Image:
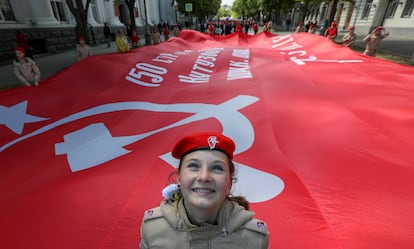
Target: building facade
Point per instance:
(50, 26)
(396, 15)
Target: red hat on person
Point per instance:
(20, 50)
(80, 38)
(204, 141)
(378, 28)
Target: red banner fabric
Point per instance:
(324, 141)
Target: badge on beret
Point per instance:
(212, 141)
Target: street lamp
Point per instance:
(147, 34)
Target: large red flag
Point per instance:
(324, 141)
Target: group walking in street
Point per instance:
(28, 73)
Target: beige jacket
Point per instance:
(168, 227)
(26, 71)
(373, 41)
(82, 51)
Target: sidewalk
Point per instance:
(50, 64)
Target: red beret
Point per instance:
(204, 141)
(19, 49)
(378, 28)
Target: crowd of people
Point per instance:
(132, 40)
(226, 27)
(372, 41)
(28, 72)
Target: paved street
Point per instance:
(50, 64)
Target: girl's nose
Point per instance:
(204, 174)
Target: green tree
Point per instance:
(202, 9)
(247, 8)
(272, 7)
(222, 12)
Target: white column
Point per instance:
(171, 14)
(140, 20)
(110, 16)
(153, 12)
(91, 18)
(22, 11)
(42, 13)
(167, 11)
(163, 11)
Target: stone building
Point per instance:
(396, 15)
(50, 26)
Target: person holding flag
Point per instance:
(166, 33)
(156, 37)
(197, 210)
(135, 39)
(25, 68)
(349, 38)
(332, 31)
(374, 39)
(255, 28)
(300, 28)
(122, 42)
(82, 50)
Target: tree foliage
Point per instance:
(253, 8)
(202, 9)
(247, 8)
(222, 12)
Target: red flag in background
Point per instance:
(324, 141)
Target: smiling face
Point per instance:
(205, 180)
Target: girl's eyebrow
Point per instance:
(219, 161)
(191, 159)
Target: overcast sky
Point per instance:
(228, 2)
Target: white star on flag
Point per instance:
(15, 117)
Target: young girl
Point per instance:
(135, 39)
(198, 211)
(25, 68)
(374, 39)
